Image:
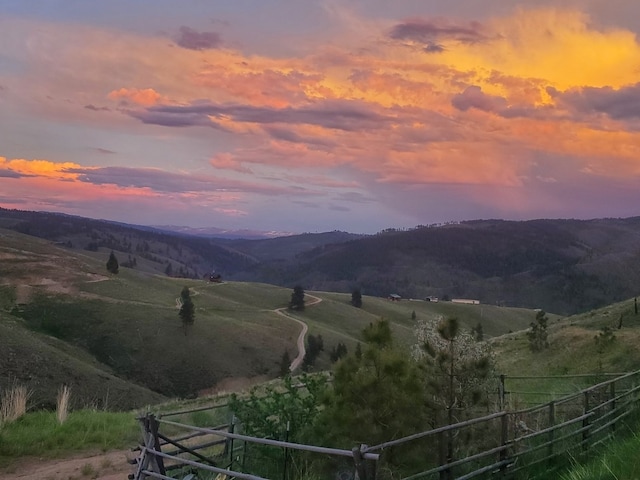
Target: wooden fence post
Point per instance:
(552, 423)
(612, 393)
(504, 440)
(585, 422)
(149, 461)
(228, 444)
(502, 393)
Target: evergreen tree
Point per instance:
(478, 332)
(187, 309)
(112, 263)
(285, 364)
(537, 334)
(356, 298)
(297, 298)
(375, 397)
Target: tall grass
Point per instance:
(619, 461)
(40, 434)
(62, 403)
(13, 403)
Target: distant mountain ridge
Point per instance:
(221, 232)
(562, 266)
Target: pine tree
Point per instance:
(187, 309)
(112, 263)
(356, 298)
(285, 364)
(297, 298)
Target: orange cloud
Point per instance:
(145, 97)
(39, 168)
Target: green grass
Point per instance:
(619, 461)
(38, 434)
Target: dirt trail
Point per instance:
(301, 350)
(106, 466)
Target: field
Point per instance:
(118, 342)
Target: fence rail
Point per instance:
(505, 444)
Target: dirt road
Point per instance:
(105, 466)
(300, 343)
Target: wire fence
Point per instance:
(511, 443)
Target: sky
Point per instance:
(319, 115)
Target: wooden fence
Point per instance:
(509, 444)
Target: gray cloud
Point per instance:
(106, 151)
(432, 31)
(334, 114)
(97, 109)
(5, 173)
(621, 104)
(169, 182)
(194, 40)
(474, 97)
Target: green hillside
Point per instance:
(64, 304)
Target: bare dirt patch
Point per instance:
(106, 466)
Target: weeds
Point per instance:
(62, 403)
(13, 403)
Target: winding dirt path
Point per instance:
(300, 343)
(105, 466)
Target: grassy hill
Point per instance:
(120, 336)
(563, 266)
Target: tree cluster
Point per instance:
(337, 352)
(315, 345)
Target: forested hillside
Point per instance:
(562, 266)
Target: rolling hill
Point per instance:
(562, 266)
(118, 340)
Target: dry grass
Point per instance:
(62, 403)
(13, 403)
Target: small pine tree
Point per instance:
(356, 298)
(112, 263)
(478, 332)
(297, 298)
(413, 315)
(187, 309)
(285, 364)
(358, 352)
(537, 335)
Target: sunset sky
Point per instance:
(316, 115)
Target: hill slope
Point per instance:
(62, 306)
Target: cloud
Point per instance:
(194, 40)
(169, 182)
(348, 115)
(433, 31)
(106, 151)
(473, 97)
(6, 173)
(226, 161)
(619, 104)
(97, 109)
(145, 97)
